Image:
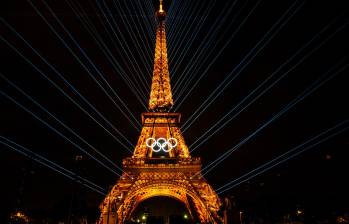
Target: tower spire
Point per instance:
(160, 8)
(160, 94)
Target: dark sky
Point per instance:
(314, 179)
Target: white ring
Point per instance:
(161, 145)
(172, 139)
(147, 142)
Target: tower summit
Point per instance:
(161, 164)
(161, 12)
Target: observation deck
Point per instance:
(185, 165)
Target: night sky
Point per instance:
(315, 180)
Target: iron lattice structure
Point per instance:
(148, 173)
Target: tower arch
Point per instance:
(181, 192)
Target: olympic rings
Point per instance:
(161, 144)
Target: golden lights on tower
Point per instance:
(161, 164)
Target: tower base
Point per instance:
(146, 178)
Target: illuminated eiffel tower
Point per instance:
(161, 164)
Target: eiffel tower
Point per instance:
(161, 164)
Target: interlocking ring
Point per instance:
(161, 144)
